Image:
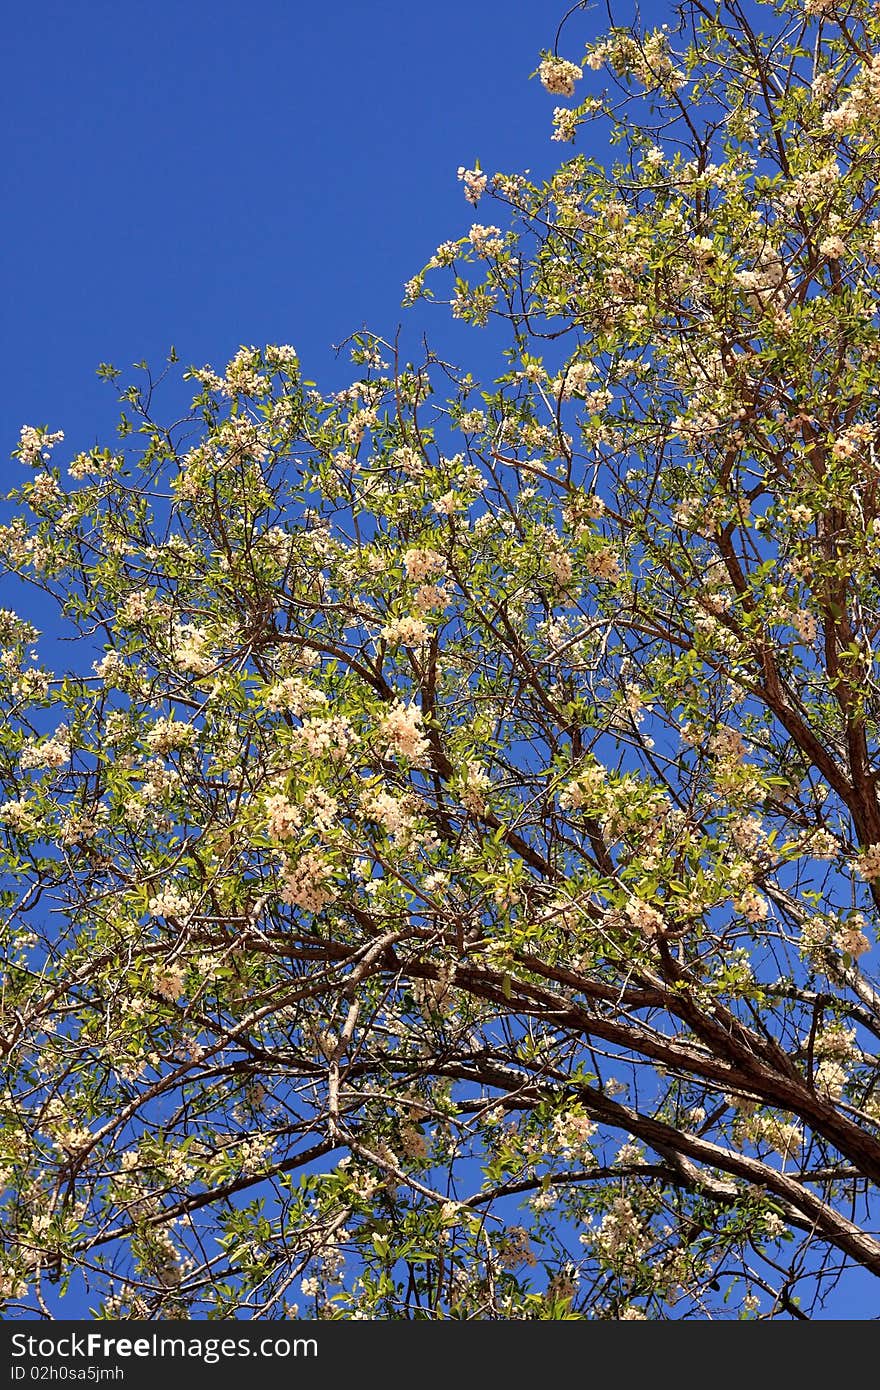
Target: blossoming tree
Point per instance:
(447, 885)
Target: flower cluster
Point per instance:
(486, 241)
(474, 181)
(429, 597)
(293, 694)
(111, 668)
(242, 375)
(558, 76)
(169, 735)
(20, 814)
(283, 818)
(191, 650)
(54, 752)
(170, 902)
(806, 625)
(565, 124)
(401, 732)
(514, 1248)
(868, 863)
(44, 490)
(602, 563)
(576, 380)
(644, 917)
(586, 788)
(35, 445)
(435, 995)
(561, 567)
(768, 279)
(752, 904)
(475, 782)
(307, 883)
(405, 631)
(168, 982)
(391, 812)
(850, 939)
(320, 737)
(572, 1132)
(823, 938)
(622, 1237)
(861, 107)
(423, 564)
(851, 441)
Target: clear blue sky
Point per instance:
(216, 174)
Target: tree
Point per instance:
(452, 890)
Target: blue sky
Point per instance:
(212, 175)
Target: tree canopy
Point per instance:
(444, 882)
